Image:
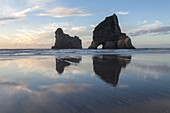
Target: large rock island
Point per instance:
(109, 35)
(64, 41)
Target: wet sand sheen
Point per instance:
(99, 83)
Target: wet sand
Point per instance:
(138, 83)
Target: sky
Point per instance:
(32, 23)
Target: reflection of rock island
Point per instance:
(108, 67)
(61, 63)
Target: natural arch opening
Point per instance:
(100, 46)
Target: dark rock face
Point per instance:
(108, 33)
(64, 41)
(108, 67)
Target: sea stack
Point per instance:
(109, 35)
(64, 41)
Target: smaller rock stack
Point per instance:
(64, 41)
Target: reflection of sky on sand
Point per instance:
(24, 66)
(150, 66)
(11, 88)
(42, 67)
(34, 84)
(61, 88)
(19, 97)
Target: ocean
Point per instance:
(85, 81)
(50, 52)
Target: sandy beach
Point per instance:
(74, 81)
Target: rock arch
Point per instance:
(108, 33)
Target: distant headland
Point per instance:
(107, 33)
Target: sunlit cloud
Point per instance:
(2, 24)
(61, 12)
(93, 26)
(4, 37)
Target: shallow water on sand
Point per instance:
(84, 83)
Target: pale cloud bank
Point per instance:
(157, 31)
(150, 28)
(44, 36)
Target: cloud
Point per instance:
(145, 26)
(122, 13)
(4, 37)
(17, 9)
(12, 10)
(81, 31)
(163, 30)
(43, 39)
(20, 22)
(156, 23)
(39, 2)
(61, 12)
(5, 41)
(2, 24)
(93, 26)
(158, 31)
(143, 22)
(143, 29)
(17, 15)
(42, 36)
(140, 32)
